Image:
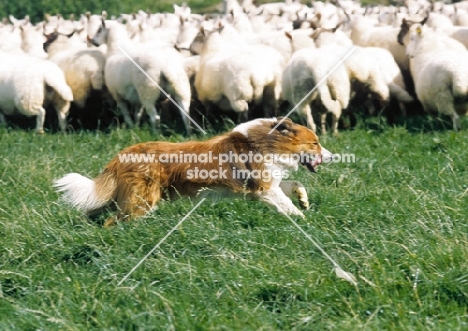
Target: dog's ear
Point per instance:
(284, 126)
(284, 120)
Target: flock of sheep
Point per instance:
(316, 57)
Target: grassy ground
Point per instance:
(396, 219)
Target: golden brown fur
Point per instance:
(136, 187)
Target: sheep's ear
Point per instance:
(88, 15)
(202, 30)
(287, 34)
(142, 25)
(336, 27)
(71, 34)
(103, 22)
(425, 19)
(104, 14)
(315, 34)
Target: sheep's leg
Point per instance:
(402, 108)
(239, 106)
(138, 115)
(307, 111)
(335, 119)
(269, 102)
(154, 118)
(445, 105)
(122, 105)
(456, 121)
(184, 108)
(208, 109)
(370, 107)
(62, 107)
(293, 188)
(40, 119)
(243, 117)
(323, 122)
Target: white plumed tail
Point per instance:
(81, 192)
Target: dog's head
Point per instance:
(281, 136)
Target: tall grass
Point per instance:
(396, 219)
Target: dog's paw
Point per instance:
(296, 212)
(303, 197)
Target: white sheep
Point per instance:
(364, 33)
(232, 73)
(26, 83)
(128, 84)
(83, 67)
(307, 68)
(440, 71)
(392, 76)
(10, 36)
(455, 32)
(32, 39)
(436, 20)
(369, 67)
(458, 33)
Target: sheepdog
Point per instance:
(252, 160)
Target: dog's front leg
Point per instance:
(276, 198)
(294, 188)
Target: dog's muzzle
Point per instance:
(312, 162)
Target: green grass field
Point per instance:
(396, 219)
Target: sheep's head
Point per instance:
(405, 27)
(415, 33)
(52, 37)
(101, 35)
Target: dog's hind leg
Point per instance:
(293, 188)
(135, 200)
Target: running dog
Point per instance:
(251, 160)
